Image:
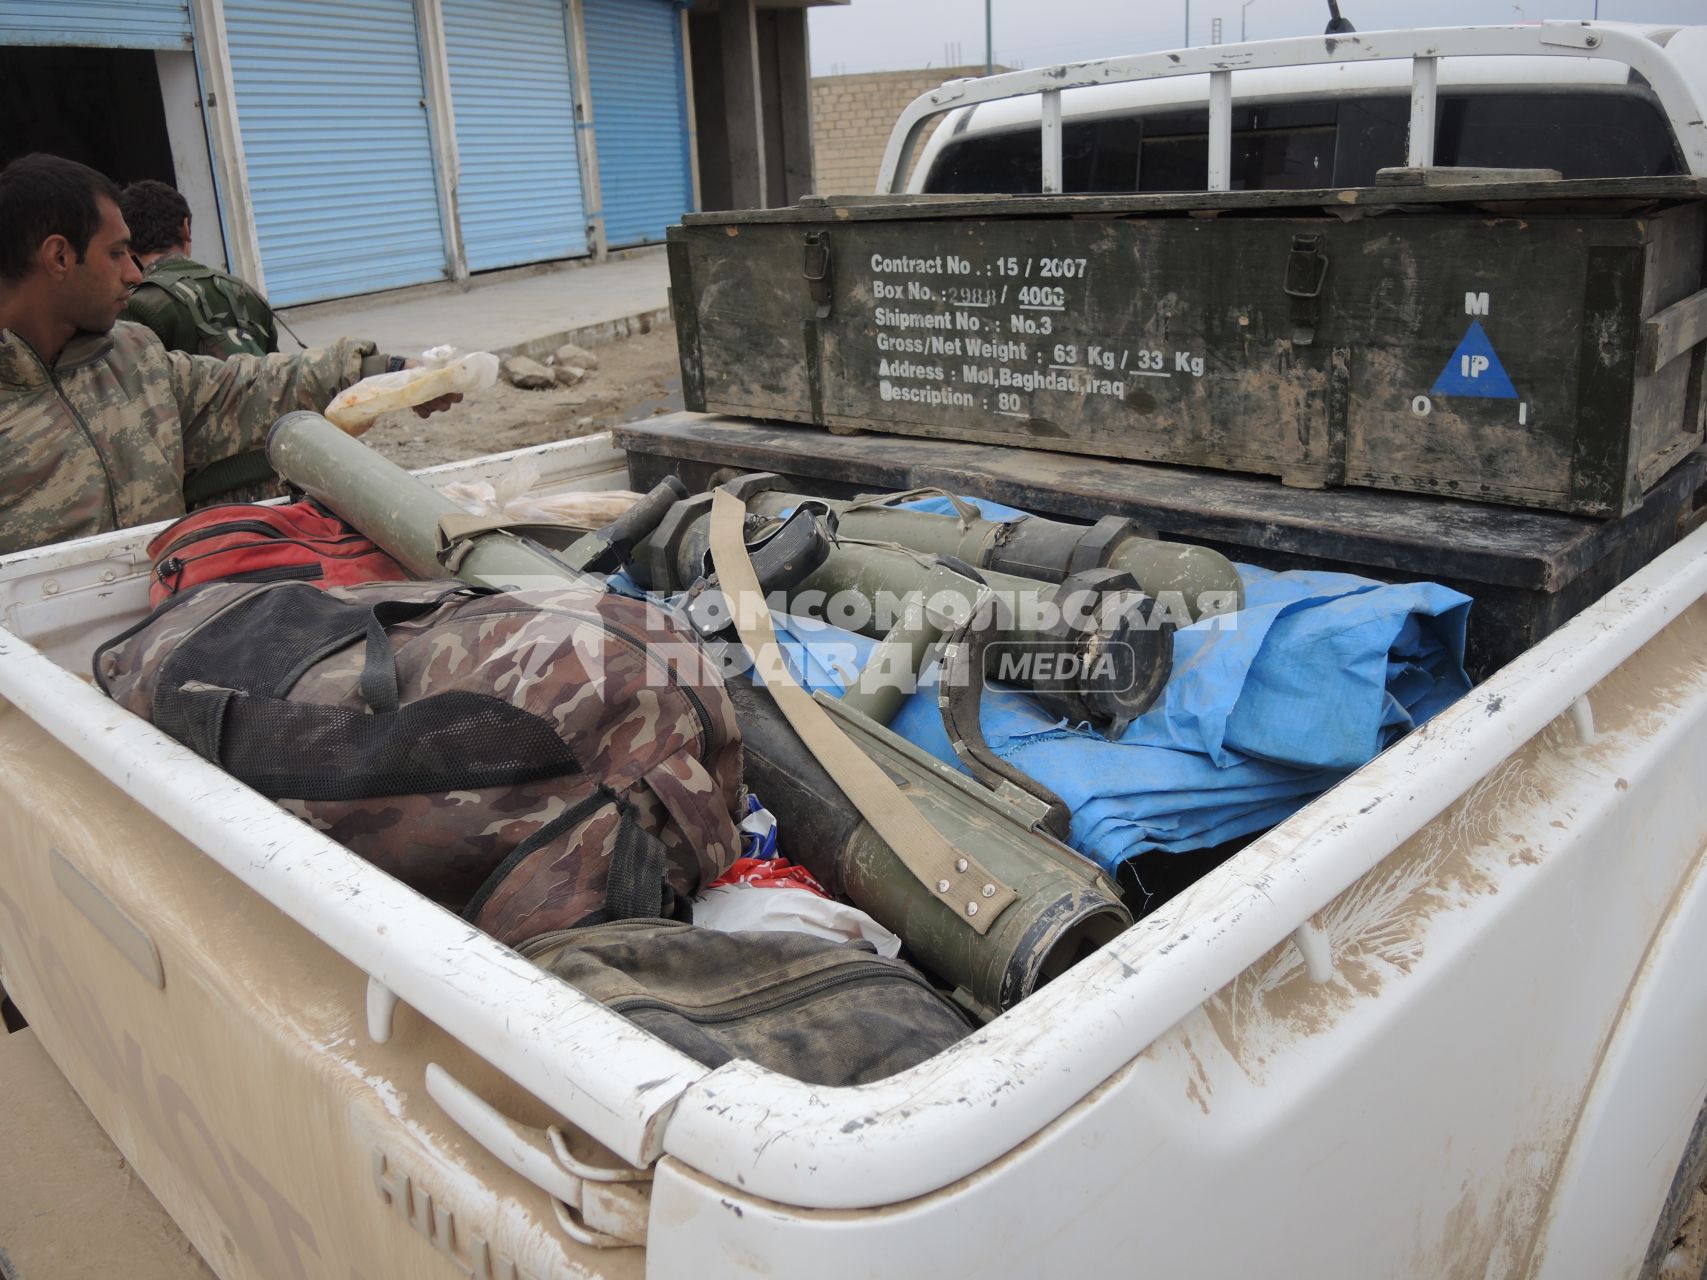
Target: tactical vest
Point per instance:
(229, 317)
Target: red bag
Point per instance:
(249, 542)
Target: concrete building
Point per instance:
(852, 117)
(339, 147)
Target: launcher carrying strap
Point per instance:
(975, 896)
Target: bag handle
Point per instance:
(975, 895)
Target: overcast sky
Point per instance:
(895, 35)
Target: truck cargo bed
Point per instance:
(315, 1078)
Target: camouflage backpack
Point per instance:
(535, 762)
(204, 311)
(227, 316)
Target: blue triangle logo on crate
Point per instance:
(1474, 370)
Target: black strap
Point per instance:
(636, 888)
(226, 474)
(379, 669)
(558, 826)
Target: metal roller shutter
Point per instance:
(519, 189)
(640, 116)
(107, 24)
(332, 108)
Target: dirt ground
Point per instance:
(636, 378)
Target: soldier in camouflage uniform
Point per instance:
(201, 310)
(191, 307)
(98, 421)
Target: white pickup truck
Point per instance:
(1450, 1019)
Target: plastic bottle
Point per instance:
(442, 372)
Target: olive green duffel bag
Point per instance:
(823, 1012)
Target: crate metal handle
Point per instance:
(816, 271)
(1306, 270)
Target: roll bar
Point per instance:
(1424, 48)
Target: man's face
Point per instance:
(94, 291)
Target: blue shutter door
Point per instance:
(330, 102)
(109, 24)
(519, 190)
(640, 116)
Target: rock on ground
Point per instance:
(528, 374)
(638, 376)
(580, 357)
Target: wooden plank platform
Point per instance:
(1528, 570)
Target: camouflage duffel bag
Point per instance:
(535, 761)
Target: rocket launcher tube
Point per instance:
(1091, 646)
(955, 874)
(402, 515)
(1201, 580)
(1065, 907)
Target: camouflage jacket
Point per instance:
(202, 310)
(101, 440)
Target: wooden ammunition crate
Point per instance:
(1528, 343)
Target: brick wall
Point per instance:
(852, 117)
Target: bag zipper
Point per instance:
(172, 565)
(849, 973)
(257, 527)
(544, 941)
(699, 708)
(280, 573)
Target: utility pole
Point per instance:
(1187, 44)
(989, 40)
(1247, 4)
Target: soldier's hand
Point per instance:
(433, 406)
(438, 406)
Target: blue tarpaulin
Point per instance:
(1264, 709)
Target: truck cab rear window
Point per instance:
(1323, 144)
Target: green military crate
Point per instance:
(1535, 343)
